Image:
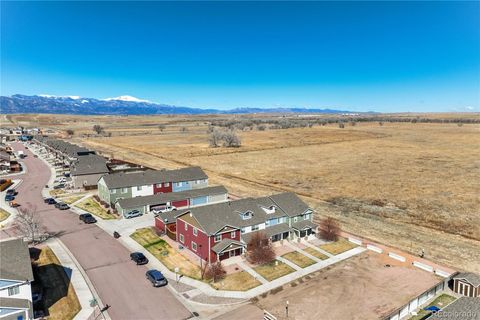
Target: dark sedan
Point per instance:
(50, 201)
(156, 278)
(139, 258)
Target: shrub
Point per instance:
(97, 129)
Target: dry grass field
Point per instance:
(409, 185)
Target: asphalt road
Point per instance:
(118, 281)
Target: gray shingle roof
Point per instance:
(303, 224)
(123, 180)
(72, 150)
(89, 164)
(464, 308)
(269, 231)
(15, 261)
(14, 303)
(472, 278)
(224, 244)
(213, 217)
(161, 198)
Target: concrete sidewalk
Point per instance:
(78, 279)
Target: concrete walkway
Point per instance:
(247, 268)
(78, 278)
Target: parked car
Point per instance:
(12, 192)
(156, 278)
(157, 211)
(132, 214)
(59, 186)
(62, 206)
(87, 218)
(9, 197)
(139, 258)
(50, 201)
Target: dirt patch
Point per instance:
(362, 285)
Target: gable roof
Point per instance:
(470, 277)
(89, 164)
(225, 244)
(214, 217)
(15, 261)
(161, 198)
(122, 180)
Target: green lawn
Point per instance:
(299, 259)
(273, 270)
(170, 257)
(95, 208)
(339, 246)
(441, 301)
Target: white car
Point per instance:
(163, 210)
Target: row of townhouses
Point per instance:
(219, 231)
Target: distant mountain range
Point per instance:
(123, 105)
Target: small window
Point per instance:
(295, 219)
(232, 234)
(186, 227)
(166, 184)
(124, 190)
(13, 291)
(179, 184)
(242, 230)
(139, 188)
(195, 231)
(158, 185)
(218, 238)
(255, 227)
(181, 238)
(194, 246)
(306, 217)
(114, 190)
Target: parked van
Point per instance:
(132, 214)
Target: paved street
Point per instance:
(118, 281)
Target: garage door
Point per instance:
(180, 203)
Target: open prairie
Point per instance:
(410, 185)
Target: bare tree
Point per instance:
(341, 125)
(329, 229)
(215, 138)
(215, 271)
(29, 223)
(260, 249)
(70, 132)
(97, 129)
(380, 123)
(231, 139)
(161, 127)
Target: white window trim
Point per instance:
(181, 238)
(215, 238)
(166, 184)
(13, 291)
(194, 246)
(186, 227)
(233, 234)
(195, 231)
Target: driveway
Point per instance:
(118, 281)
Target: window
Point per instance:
(255, 227)
(218, 238)
(232, 234)
(158, 185)
(194, 246)
(181, 238)
(124, 190)
(13, 290)
(195, 231)
(166, 184)
(242, 230)
(295, 219)
(306, 217)
(139, 188)
(114, 190)
(246, 215)
(198, 181)
(179, 184)
(186, 227)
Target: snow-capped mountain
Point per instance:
(123, 105)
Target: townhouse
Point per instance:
(87, 170)
(179, 200)
(15, 280)
(219, 231)
(126, 185)
(64, 151)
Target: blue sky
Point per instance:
(382, 56)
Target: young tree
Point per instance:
(329, 229)
(97, 129)
(215, 271)
(260, 249)
(29, 223)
